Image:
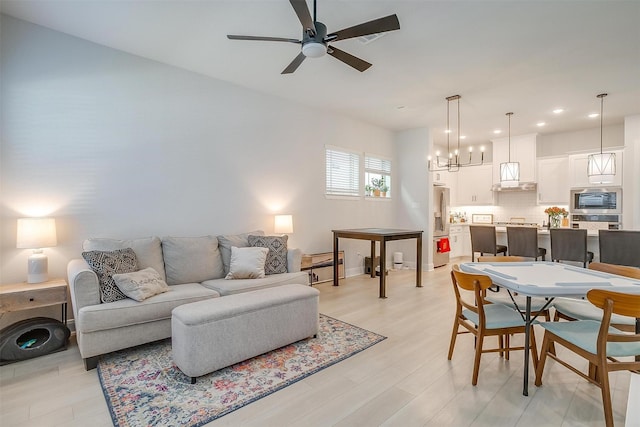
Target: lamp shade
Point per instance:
(509, 174)
(601, 168)
(283, 224)
(36, 233)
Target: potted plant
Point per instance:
(377, 186)
(367, 190)
(383, 190)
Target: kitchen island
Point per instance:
(544, 241)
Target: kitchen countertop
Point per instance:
(545, 231)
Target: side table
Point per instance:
(23, 296)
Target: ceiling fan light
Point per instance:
(314, 49)
(601, 168)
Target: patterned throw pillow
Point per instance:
(107, 263)
(277, 257)
(141, 285)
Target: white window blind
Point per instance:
(375, 164)
(343, 172)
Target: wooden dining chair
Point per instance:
(597, 342)
(579, 309)
(483, 240)
(519, 302)
(569, 244)
(482, 319)
(523, 241)
(621, 247)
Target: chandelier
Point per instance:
(601, 168)
(509, 171)
(453, 162)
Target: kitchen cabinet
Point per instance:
(578, 170)
(474, 186)
(460, 241)
(553, 181)
(523, 151)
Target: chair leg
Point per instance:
(506, 346)
(454, 334)
(500, 345)
(476, 362)
(546, 345)
(533, 348)
(606, 393)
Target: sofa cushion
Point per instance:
(128, 312)
(140, 285)
(237, 240)
(191, 259)
(230, 287)
(276, 262)
(148, 250)
(247, 263)
(107, 263)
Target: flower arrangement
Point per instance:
(554, 213)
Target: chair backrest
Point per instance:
(523, 241)
(476, 284)
(621, 247)
(568, 244)
(498, 258)
(483, 239)
(620, 270)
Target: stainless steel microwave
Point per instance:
(596, 200)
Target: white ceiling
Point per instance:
(528, 57)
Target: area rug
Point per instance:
(143, 387)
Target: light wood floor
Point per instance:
(405, 380)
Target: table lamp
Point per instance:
(283, 224)
(36, 233)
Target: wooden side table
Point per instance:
(23, 296)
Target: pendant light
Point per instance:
(453, 161)
(601, 168)
(509, 171)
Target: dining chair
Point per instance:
(580, 309)
(482, 319)
(483, 240)
(523, 241)
(518, 302)
(597, 342)
(570, 244)
(620, 247)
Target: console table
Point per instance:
(382, 235)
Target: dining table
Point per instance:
(548, 280)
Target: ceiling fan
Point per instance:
(315, 40)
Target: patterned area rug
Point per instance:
(143, 387)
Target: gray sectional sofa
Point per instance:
(194, 268)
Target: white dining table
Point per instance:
(548, 280)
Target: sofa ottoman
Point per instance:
(216, 333)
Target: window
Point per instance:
(343, 172)
(377, 176)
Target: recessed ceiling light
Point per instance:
(447, 131)
(558, 110)
(463, 136)
(593, 115)
(400, 107)
(497, 131)
(540, 124)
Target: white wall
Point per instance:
(558, 144)
(115, 145)
(631, 187)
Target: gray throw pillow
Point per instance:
(140, 285)
(107, 263)
(277, 257)
(191, 259)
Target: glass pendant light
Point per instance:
(509, 171)
(601, 168)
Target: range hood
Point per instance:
(523, 186)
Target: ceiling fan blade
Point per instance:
(381, 25)
(294, 64)
(302, 10)
(348, 59)
(266, 39)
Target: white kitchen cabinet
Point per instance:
(523, 151)
(578, 170)
(474, 185)
(553, 181)
(460, 241)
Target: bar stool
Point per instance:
(621, 247)
(568, 244)
(523, 241)
(483, 240)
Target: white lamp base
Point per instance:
(38, 268)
